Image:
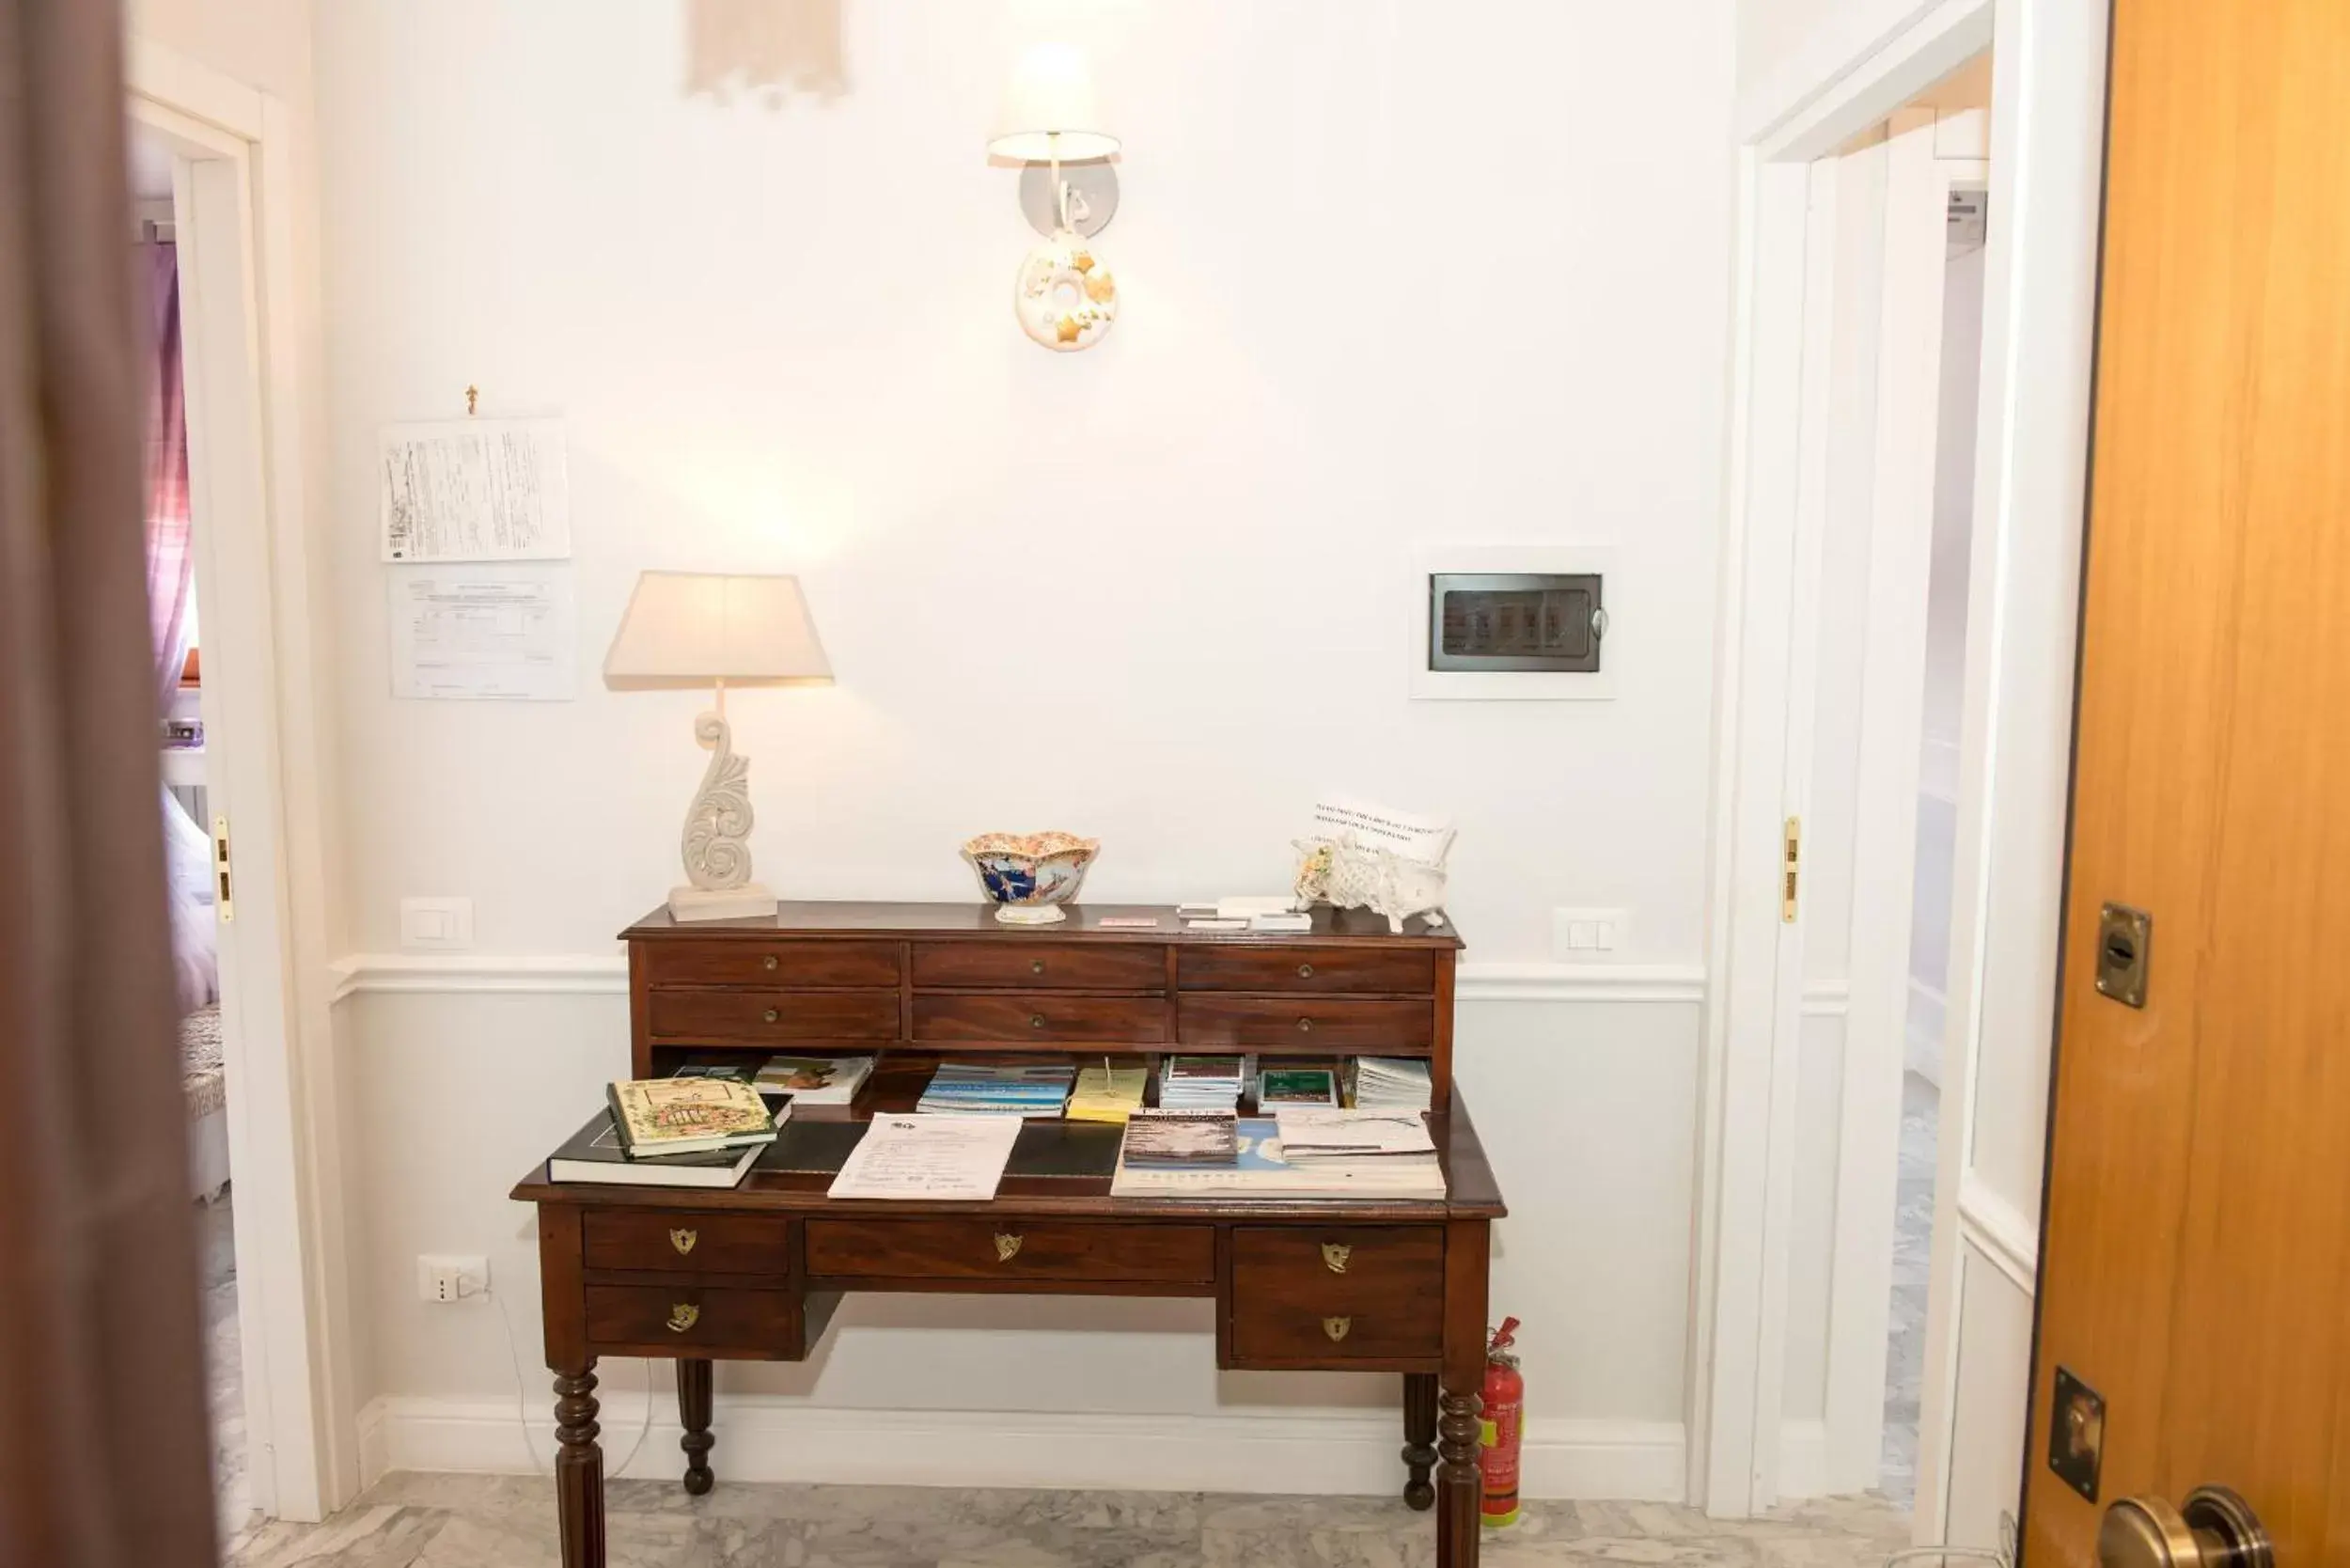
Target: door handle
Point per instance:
(2216, 1528)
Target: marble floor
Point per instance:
(1913, 1237)
(470, 1521)
(224, 1368)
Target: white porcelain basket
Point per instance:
(1348, 875)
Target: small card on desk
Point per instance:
(951, 1158)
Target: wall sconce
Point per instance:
(1063, 295)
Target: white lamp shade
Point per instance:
(1049, 110)
(696, 629)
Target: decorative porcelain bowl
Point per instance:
(1030, 874)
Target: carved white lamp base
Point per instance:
(716, 838)
(720, 903)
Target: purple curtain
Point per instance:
(170, 565)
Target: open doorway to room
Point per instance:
(187, 751)
(1891, 364)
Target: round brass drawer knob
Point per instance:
(1305, 971)
(771, 1015)
(1036, 1020)
(772, 961)
(1036, 967)
(1305, 1025)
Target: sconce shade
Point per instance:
(694, 629)
(1051, 101)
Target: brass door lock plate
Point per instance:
(2125, 940)
(2077, 1434)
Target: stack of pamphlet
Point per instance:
(1321, 1133)
(1389, 1083)
(983, 1089)
(1263, 1170)
(1106, 1093)
(1199, 1083)
(1297, 1084)
(814, 1080)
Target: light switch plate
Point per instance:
(1588, 935)
(436, 924)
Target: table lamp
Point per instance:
(685, 629)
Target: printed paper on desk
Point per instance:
(928, 1156)
(484, 633)
(475, 490)
(1378, 827)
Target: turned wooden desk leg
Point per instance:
(578, 1468)
(1419, 1438)
(1457, 1404)
(692, 1409)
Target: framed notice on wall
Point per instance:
(475, 490)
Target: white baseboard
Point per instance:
(769, 1439)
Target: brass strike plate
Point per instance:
(2077, 1434)
(2125, 940)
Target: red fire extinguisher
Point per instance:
(1504, 1423)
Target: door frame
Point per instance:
(234, 196)
(2031, 451)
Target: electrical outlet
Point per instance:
(439, 924)
(1581, 935)
(451, 1275)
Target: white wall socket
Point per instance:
(451, 1275)
(436, 924)
(1579, 935)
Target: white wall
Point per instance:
(1155, 592)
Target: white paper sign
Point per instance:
(930, 1156)
(1383, 828)
(485, 632)
(475, 490)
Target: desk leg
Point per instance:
(1457, 1405)
(692, 1409)
(578, 1467)
(1419, 1438)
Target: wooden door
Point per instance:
(2197, 1255)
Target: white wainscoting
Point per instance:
(1584, 1077)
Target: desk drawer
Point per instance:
(672, 1243)
(772, 1017)
(1039, 965)
(1308, 971)
(788, 964)
(1304, 1023)
(1041, 1017)
(1332, 1295)
(693, 1320)
(981, 1249)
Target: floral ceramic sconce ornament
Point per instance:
(1064, 295)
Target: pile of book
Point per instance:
(1199, 1083)
(699, 1131)
(998, 1088)
(1340, 1154)
(1388, 1082)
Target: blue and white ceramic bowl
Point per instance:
(1029, 874)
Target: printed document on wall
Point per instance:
(475, 490)
(485, 632)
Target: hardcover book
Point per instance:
(680, 1116)
(594, 1154)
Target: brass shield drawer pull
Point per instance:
(1333, 1255)
(683, 1241)
(682, 1316)
(1336, 1327)
(1007, 1247)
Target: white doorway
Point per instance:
(213, 161)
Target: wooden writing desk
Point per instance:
(753, 1273)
